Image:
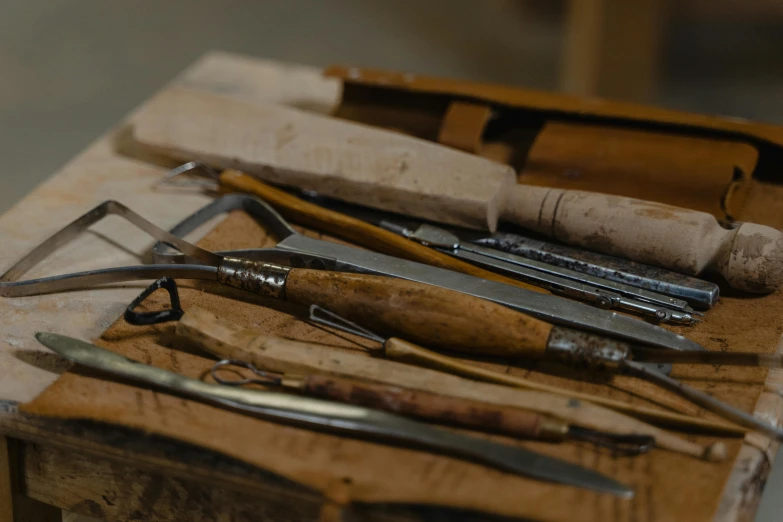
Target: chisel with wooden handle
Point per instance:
(391, 171)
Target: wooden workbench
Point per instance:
(109, 473)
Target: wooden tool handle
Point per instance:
(354, 230)
(749, 257)
(437, 408)
(425, 314)
(229, 341)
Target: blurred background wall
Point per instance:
(71, 69)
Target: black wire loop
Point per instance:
(145, 318)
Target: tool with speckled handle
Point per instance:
(399, 173)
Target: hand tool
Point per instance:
(576, 349)
(517, 255)
(594, 290)
(226, 340)
(625, 276)
(204, 328)
(354, 223)
(435, 408)
(391, 171)
(330, 416)
(325, 220)
(343, 258)
(697, 292)
(620, 356)
(431, 315)
(597, 291)
(426, 304)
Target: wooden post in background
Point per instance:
(14, 505)
(611, 48)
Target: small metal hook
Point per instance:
(621, 445)
(212, 175)
(162, 316)
(266, 378)
(343, 324)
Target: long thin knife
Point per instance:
(336, 417)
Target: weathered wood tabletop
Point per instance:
(76, 467)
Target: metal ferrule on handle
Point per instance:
(264, 279)
(583, 350)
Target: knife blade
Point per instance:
(344, 419)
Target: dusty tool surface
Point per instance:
(668, 487)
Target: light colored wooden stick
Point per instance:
(229, 341)
(399, 173)
(400, 350)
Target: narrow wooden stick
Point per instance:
(432, 407)
(229, 341)
(399, 350)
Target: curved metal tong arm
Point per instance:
(259, 210)
(10, 286)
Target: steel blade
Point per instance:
(336, 417)
(550, 308)
(706, 401)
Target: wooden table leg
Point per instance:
(611, 48)
(14, 505)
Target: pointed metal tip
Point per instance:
(603, 484)
(50, 340)
(42, 336)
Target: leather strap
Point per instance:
(463, 125)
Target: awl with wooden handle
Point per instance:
(227, 340)
(399, 173)
(437, 408)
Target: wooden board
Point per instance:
(103, 172)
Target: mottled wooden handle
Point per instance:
(424, 314)
(354, 230)
(229, 341)
(749, 257)
(436, 408)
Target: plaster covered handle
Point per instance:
(750, 257)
